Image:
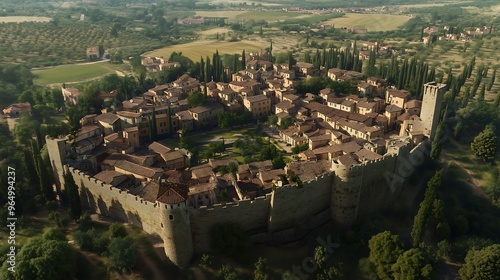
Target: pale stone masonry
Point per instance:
(358, 147)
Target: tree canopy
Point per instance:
(413, 264)
(385, 249)
(484, 145)
(43, 258)
(122, 253)
(482, 264)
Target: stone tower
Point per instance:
(57, 154)
(176, 224)
(345, 193)
(431, 107)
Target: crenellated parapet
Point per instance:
(286, 214)
(170, 222)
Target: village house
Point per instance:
(304, 68)
(93, 53)
(397, 97)
(206, 113)
(109, 122)
(258, 105)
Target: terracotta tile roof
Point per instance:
(137, 169)
(175, 193)
(308, 170)
(399, 93)
(320, 137)
(158, 148)
(365, 154)
(393, 108)
(127, 114)
(270, 175)
(107, 118)
(201, 188)
(202, 172)
(107, 176)
(414, 103)
(113, 158)
(347, 160)
(173, 155)
(257, 98)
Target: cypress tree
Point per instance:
(202, 70)
(291, 61)
(437, 142)
(44, 178)
(243, 60)
(492, 79)
(30, 165)
(482, 92)
(208, 70)
(235, 63)
(465, 100)
(424, 212)
(73, 196)
(39, 138)
(270, 53)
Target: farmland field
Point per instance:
(254, 15)
(24, 19)
(195, 50)
(231, 15)
(44, 44)
(372, 22)
(74, 73)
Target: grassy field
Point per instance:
(75, 73)
(24, 19)
(195, 50)
(269, 16)
(231, 15)
(372, 22)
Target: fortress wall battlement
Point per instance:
(299, 209)
(98, 197)
(169, 222)
(345, 171)
(252, 215)
(375, 192)
(286, 214)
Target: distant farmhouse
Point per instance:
(191, 21)
(15, 110)
(158, 63)
(93, 53)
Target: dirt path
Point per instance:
(151, 265)
(474, 183)
(198, 274)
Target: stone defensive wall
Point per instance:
(294, 211)
(286, 214)
(252, 215)
(106, 200)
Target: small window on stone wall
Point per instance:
(171, 217)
